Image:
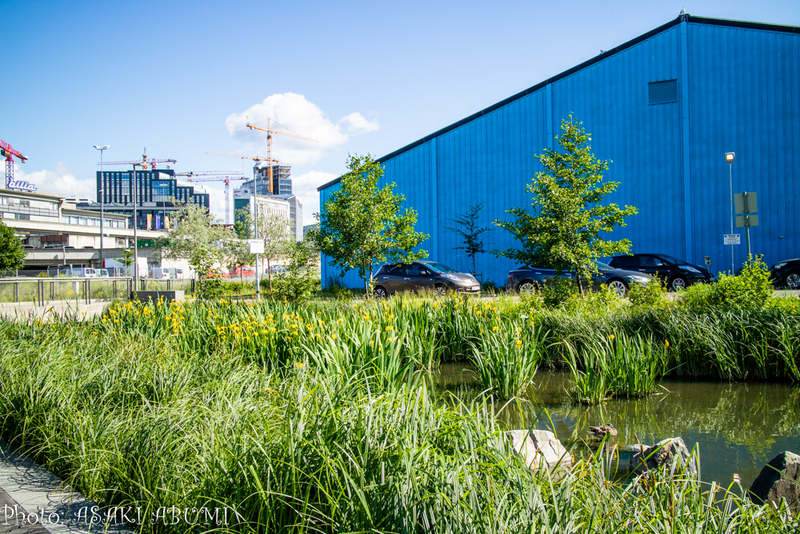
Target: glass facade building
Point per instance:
(158, 196)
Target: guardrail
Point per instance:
(43, 290)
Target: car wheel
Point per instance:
(792, 279)
(678, 283)
(440, 289)
(525, 287)
(619, 287)
(380, 292)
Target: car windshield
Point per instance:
(670, 259)
(439, 268)
(601, 265)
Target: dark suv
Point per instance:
(786, 273)
(678, 274)
(422, 276)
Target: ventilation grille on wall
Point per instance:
(663, 92)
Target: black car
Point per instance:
(526, 279)
(786, 273)
(422, 276)
(678, 274)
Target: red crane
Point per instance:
(7, 151)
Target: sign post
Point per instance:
(746, 203)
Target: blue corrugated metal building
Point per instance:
(665, 108)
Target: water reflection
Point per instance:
(737, 428)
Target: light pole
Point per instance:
(135, 235)
(730, 157)
(102, 192)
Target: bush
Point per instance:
(558, 291)
(301, 281)
(750, 289)
(650, 295)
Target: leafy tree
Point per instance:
(277, 235)
(361, 225)
(243, 225)
(564, 232)
(200, 239)
(12, 255)
(470, 232)
(127, 260)
(301, 280)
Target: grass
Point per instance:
(317, 418)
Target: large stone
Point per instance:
(671, 451)
(539, 448)
(779, 480)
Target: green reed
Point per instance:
(290, 431)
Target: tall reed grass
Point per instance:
(295, 421)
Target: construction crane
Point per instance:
(270, 131)
(220, 176)
(245, 156)
(7, 151)
(144, 163)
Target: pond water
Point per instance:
(737, 428)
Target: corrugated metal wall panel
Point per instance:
(737, 91)
(745, 99)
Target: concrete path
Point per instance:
(35, 501)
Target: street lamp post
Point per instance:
(102, 192)
(255, 230)
(135, 225)
(730, 157)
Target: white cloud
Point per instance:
(59, 182)
(357, 123)
(292, 113)
(305, 187)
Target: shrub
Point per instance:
(300, 282)
(558, 291)
(750, 289)
(650, 295)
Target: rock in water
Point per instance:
(778, 480)
(665, 452)
(539, 448)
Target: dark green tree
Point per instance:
(470, 232)
(361, 225)
(12, 255)
(565, 230)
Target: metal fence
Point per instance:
(79, 290)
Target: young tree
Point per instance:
(361, 224)
(12, 255)
(200, 238)
(564, 232)
(127, 260)
(470, 232)
(276, 233)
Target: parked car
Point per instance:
(422, 276)
(786, 273)
(527, 279)
(278, 269)
(677, 274)
(241, 271)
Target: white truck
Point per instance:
(117, 262)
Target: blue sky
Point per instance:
(181, 78)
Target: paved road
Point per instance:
(35, 501)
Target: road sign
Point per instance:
(746, 220)
(733, 239)
(746, 203)
(256, 246)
